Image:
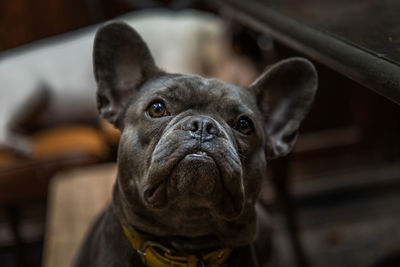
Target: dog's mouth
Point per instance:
(183, 176)
(197, 173)
(199, 154)
(199, 179)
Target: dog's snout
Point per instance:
(202, 127)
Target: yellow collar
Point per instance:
(152, 258)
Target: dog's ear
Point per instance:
(122, 62)
(284, 94)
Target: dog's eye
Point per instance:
(245, 126)
(157, 110)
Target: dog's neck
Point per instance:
(146, 227)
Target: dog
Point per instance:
(192, 157)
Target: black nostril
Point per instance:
(194, 126)
(210, 128)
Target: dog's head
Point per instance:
(193, 151)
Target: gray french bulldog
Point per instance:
(192, 155)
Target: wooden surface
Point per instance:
(75, 199)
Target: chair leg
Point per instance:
(13, 219)
(281, 180)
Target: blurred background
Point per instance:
(334, 201)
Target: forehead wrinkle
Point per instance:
(167, 92)
(214, 91)
(235, 100)
(187, 91)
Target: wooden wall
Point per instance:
(23, 21)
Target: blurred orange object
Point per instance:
(69, 139)
(111, 133)
(63, 140)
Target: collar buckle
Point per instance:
(146, 244)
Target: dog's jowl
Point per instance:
(192, 157)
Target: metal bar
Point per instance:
(371, 71)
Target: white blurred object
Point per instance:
(61, 66)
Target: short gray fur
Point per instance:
(190, 178)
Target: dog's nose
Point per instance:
(202, 128)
